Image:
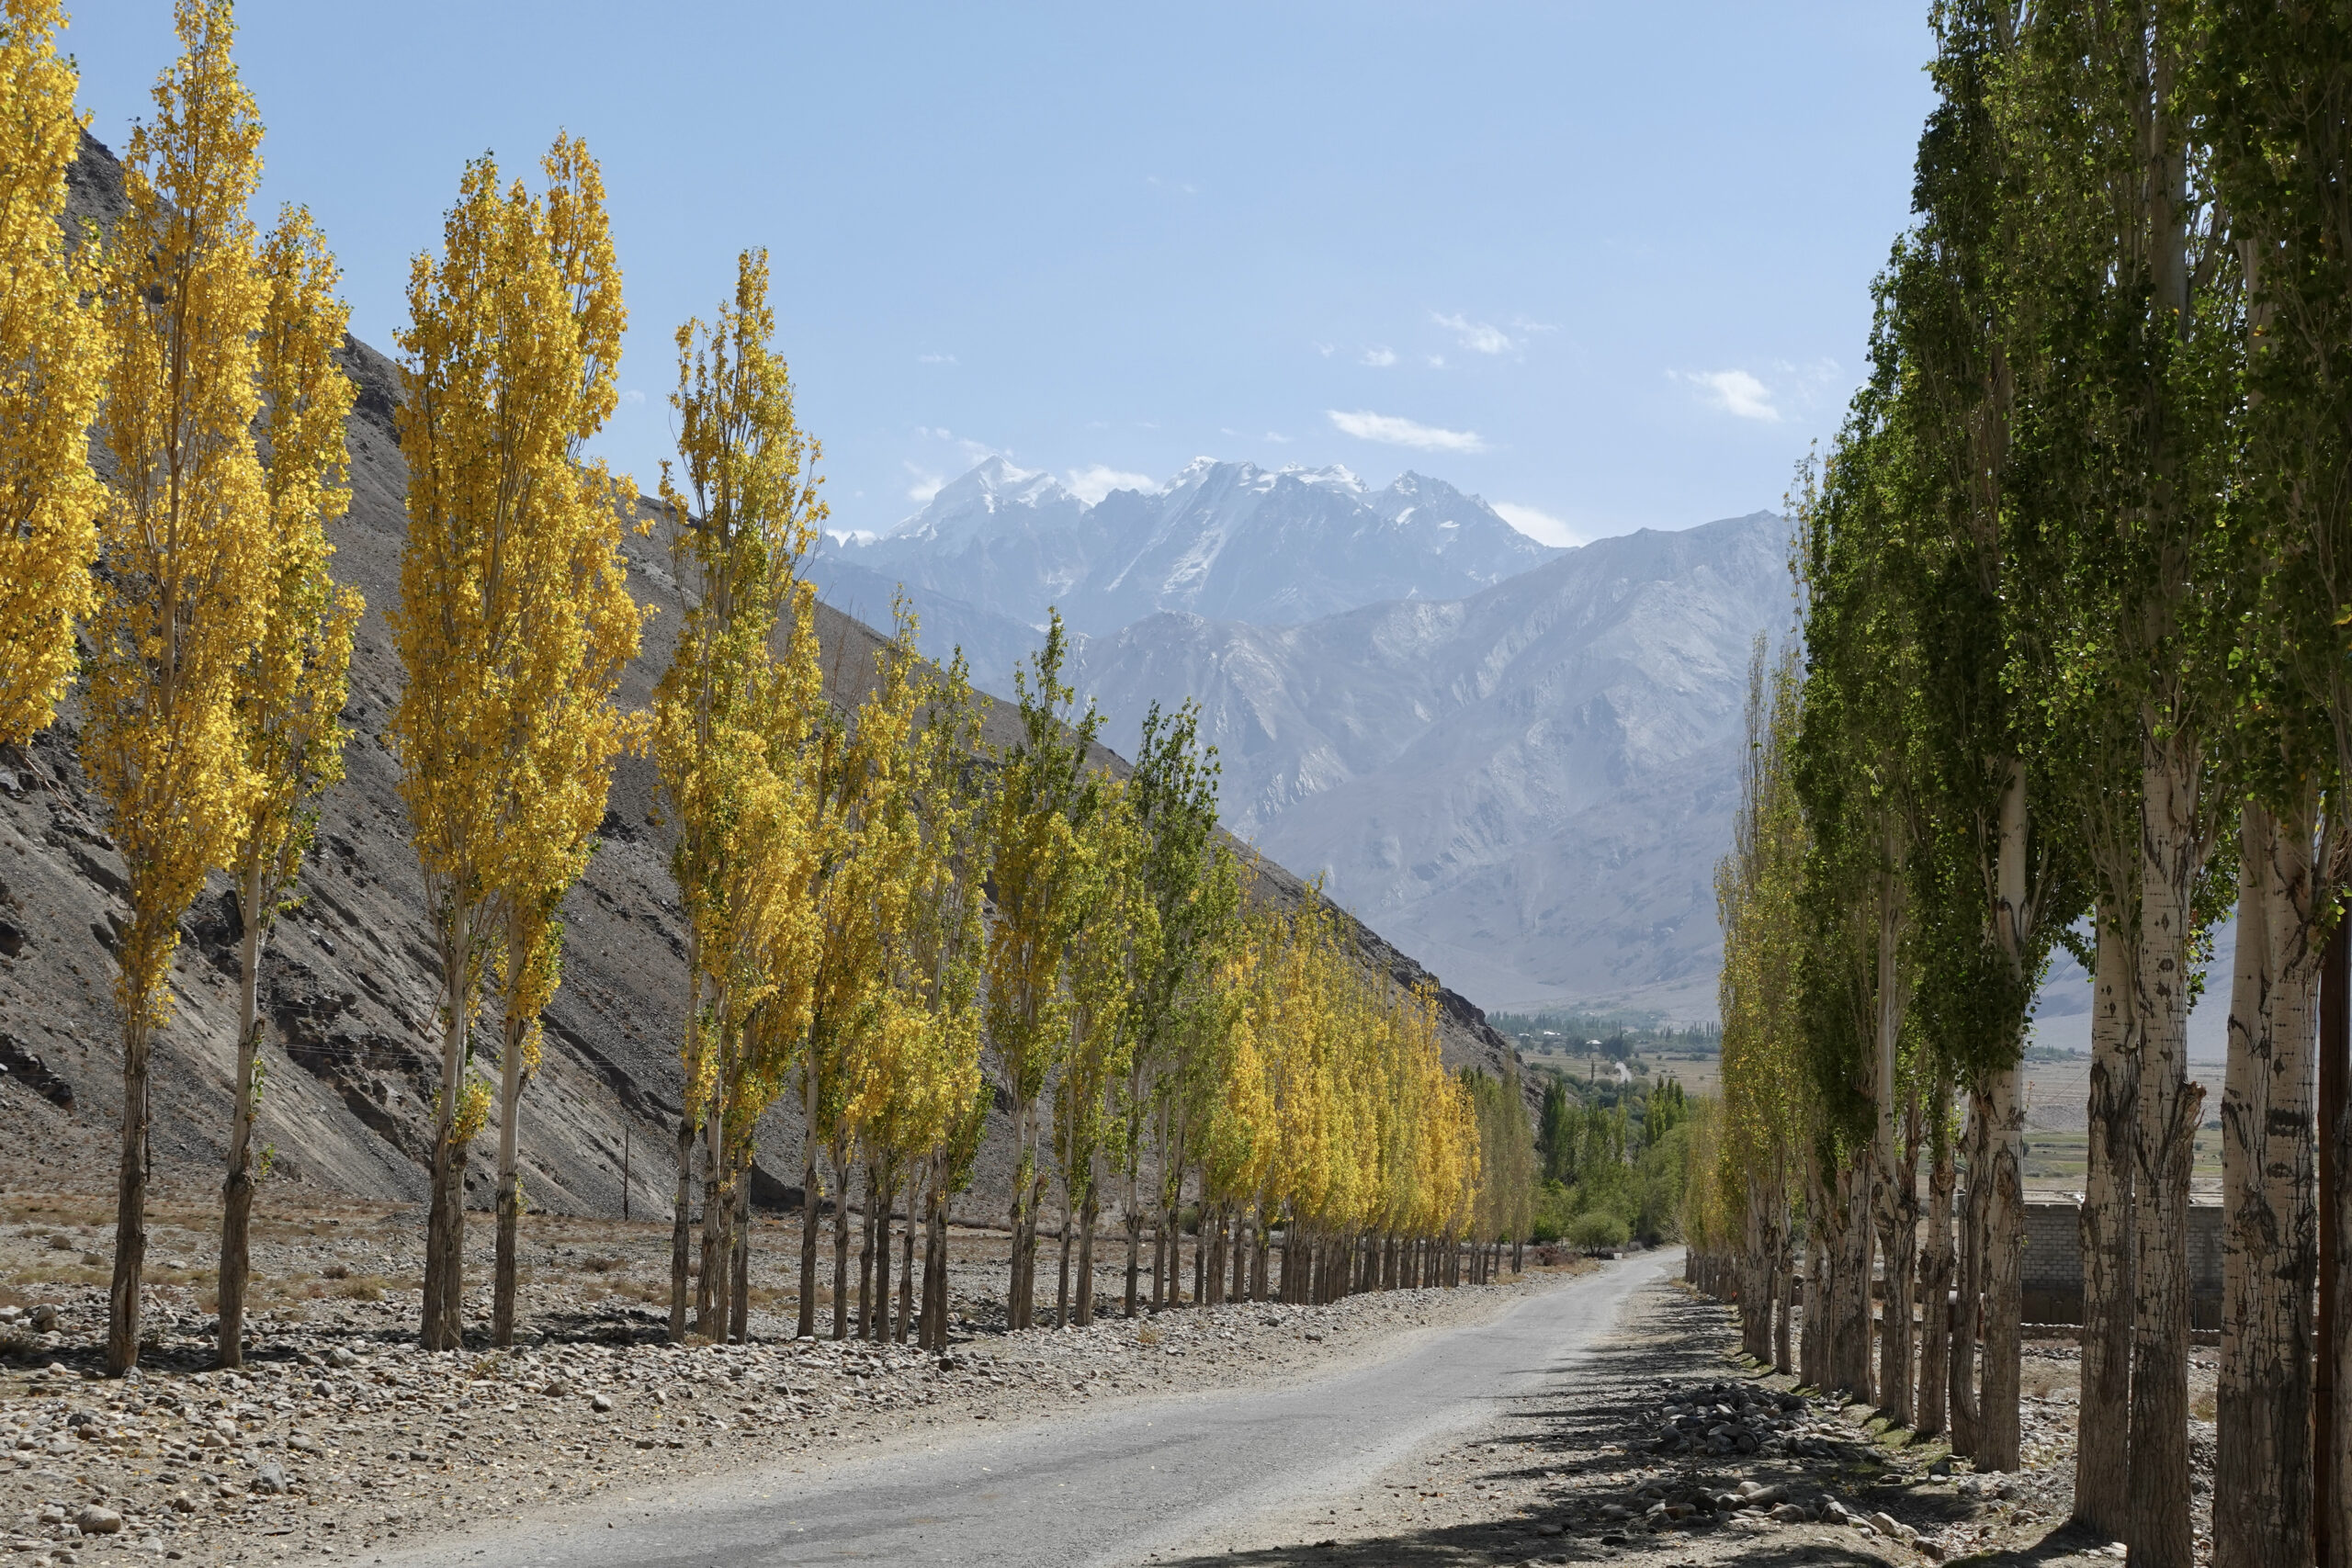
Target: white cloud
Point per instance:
(1478, 336)
(1397, 431)
(1278, 438)
(926, 484)
(935, 359)
(1436, 361)
(1540, 527)
(1378, 359)
(632, 397)
(1326, 349)
(1735, 392)
(1094, 483)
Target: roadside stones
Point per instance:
(271, 1479)
(600, 1403)
(94, 1521)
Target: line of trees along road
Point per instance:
(891, 925)
(2071, 670)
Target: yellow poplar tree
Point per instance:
(1044, 795)
(513, 625)
(730, 715)
(289, 691)
(187, 547)
(1112, 945)
(51, 370)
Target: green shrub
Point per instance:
(1597, 1231)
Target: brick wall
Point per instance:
(2053, 1263)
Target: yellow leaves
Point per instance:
(52, 365)
(185, 532)
(290, 687)
(1330, 1097)
(740, 729)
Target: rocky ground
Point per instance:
(1662, 1449)
(341, 1435)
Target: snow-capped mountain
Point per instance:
(1530, 785)
(1231, 541)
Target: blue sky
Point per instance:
(1605, 265)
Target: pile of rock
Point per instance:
(1725, 1418)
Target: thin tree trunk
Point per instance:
(444, 1225)
(1086, 1260)
(1999, 1431)
(2163, 1150)
(2263, 1471)
(131, 1205)
(1133, 1220)
(841, 1243)
(881, 1233)
(711, 1288)
(806, 1325)
(1968, 1306)
(1935, 1272)
(237, 1192)
(866, 1282)
(1061, 1287)
(905, 1273)
(738, 1299)
(681, 1230)
(504, 1282)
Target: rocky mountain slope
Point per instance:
(1531, 785)
(350, 985)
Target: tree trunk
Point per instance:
(738, 1299)
(2163, 1149)
(866, 1282)
(841, 1243)
(1998, 1434)
(804, 1325)
(905, 1273)
(1134, 1217)
(237, 1192)
(2103, 1420)
(444, 1225)
(2263, 1471)
(682, 1230)
(711, 1288)
(1086, 1260)
(1935, 1273)
(510, 1178)
(2331, 1528)
(130, 1204)
(880, 1230)
(1968, 1298)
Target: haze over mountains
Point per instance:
(1516, 760)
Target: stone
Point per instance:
(302, 1442)
(340, 1357)
(94, 1521)
(270, 1480)
(600, 1403)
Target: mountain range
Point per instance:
(1516, 760)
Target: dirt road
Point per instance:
(1151, 1479)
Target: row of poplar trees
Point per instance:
(2072, 672)
(873, 898)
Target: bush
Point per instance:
(1597, 1232)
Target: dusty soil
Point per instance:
(340, 1434)
(1573, 1473)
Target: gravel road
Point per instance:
(1151, 1477)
